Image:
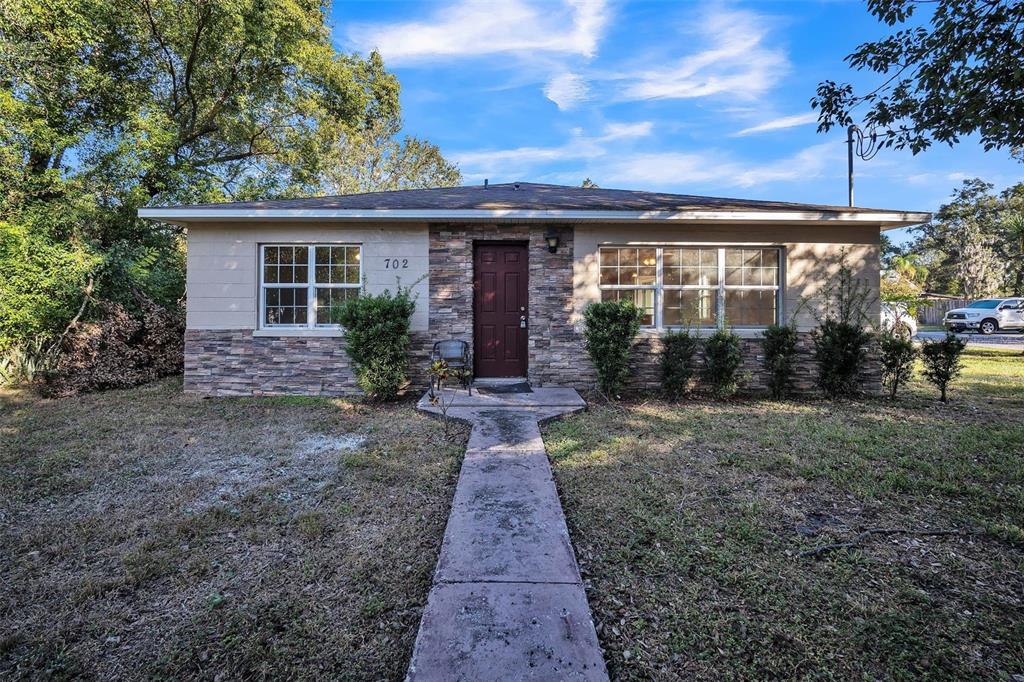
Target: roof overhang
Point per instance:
(185, 215)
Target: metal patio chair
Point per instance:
(456, 353)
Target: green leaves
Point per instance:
(723, 357)
(960, 74)
(377, 339)
(942, 362)
(109, 106)
(609, 330)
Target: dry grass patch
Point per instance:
(151, 534)
(689, 520)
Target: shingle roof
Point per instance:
(526, 196)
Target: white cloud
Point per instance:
(520, 162)
(566, 90)
(715, 168)
(618, 131)
(601, 158)
(476, 27)
(734, 61)
(779, 124)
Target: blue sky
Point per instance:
(690, 97)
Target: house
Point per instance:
(507, 267)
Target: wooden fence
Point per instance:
(931, 310)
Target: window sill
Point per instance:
(704, 332)
(321, 333)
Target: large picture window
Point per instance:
(300, 283)
(695, 286)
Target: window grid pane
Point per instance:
(629, 267)
(289, 285)
(690, 307)
(285, 306)
(326, 298)
(691, 267)
(690, 288)
(642, 298)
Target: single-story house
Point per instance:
(509, 268)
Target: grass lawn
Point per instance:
(149, 534)
(689, 521)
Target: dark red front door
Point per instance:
(499, 310)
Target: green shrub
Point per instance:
(40, 284)
(676, 363)
(840, 349)
(723, 357)
(897, 356)
(27, 362)
(841, 340)
(942, 361)
(609, 330)
(779, 357)
(377, 339)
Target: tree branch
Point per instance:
(167, 54)
(860, 538)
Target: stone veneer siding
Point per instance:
(225, 362)
(555, 348)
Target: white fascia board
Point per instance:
(193, 215)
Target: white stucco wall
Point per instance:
(223, 260)
(812, 257)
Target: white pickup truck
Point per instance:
(987, 316)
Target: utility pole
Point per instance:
(865, 146)
(849, 163)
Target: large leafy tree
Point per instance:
(378, 158)
(109, 106)
(958, 72)
(973, 246)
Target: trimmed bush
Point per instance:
(840, 349)
(779, 358)
(897, 355)
(942, 362)
(841, 340)
(609, 330)
(677, 363)
(377, 340)
(723, 357)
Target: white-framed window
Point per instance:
(300, 282)
(696, 286)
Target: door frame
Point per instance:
(525, 245)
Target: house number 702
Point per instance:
(396, 263)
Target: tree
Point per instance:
(109, 106)
(378, 159)
(974, 242)
(903, 281)
(959, 72)
(942, 362)
(589, 184)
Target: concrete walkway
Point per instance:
(507, 601)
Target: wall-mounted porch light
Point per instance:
(551, 237)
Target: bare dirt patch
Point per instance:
(151, 534)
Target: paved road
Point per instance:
(1009, 341)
